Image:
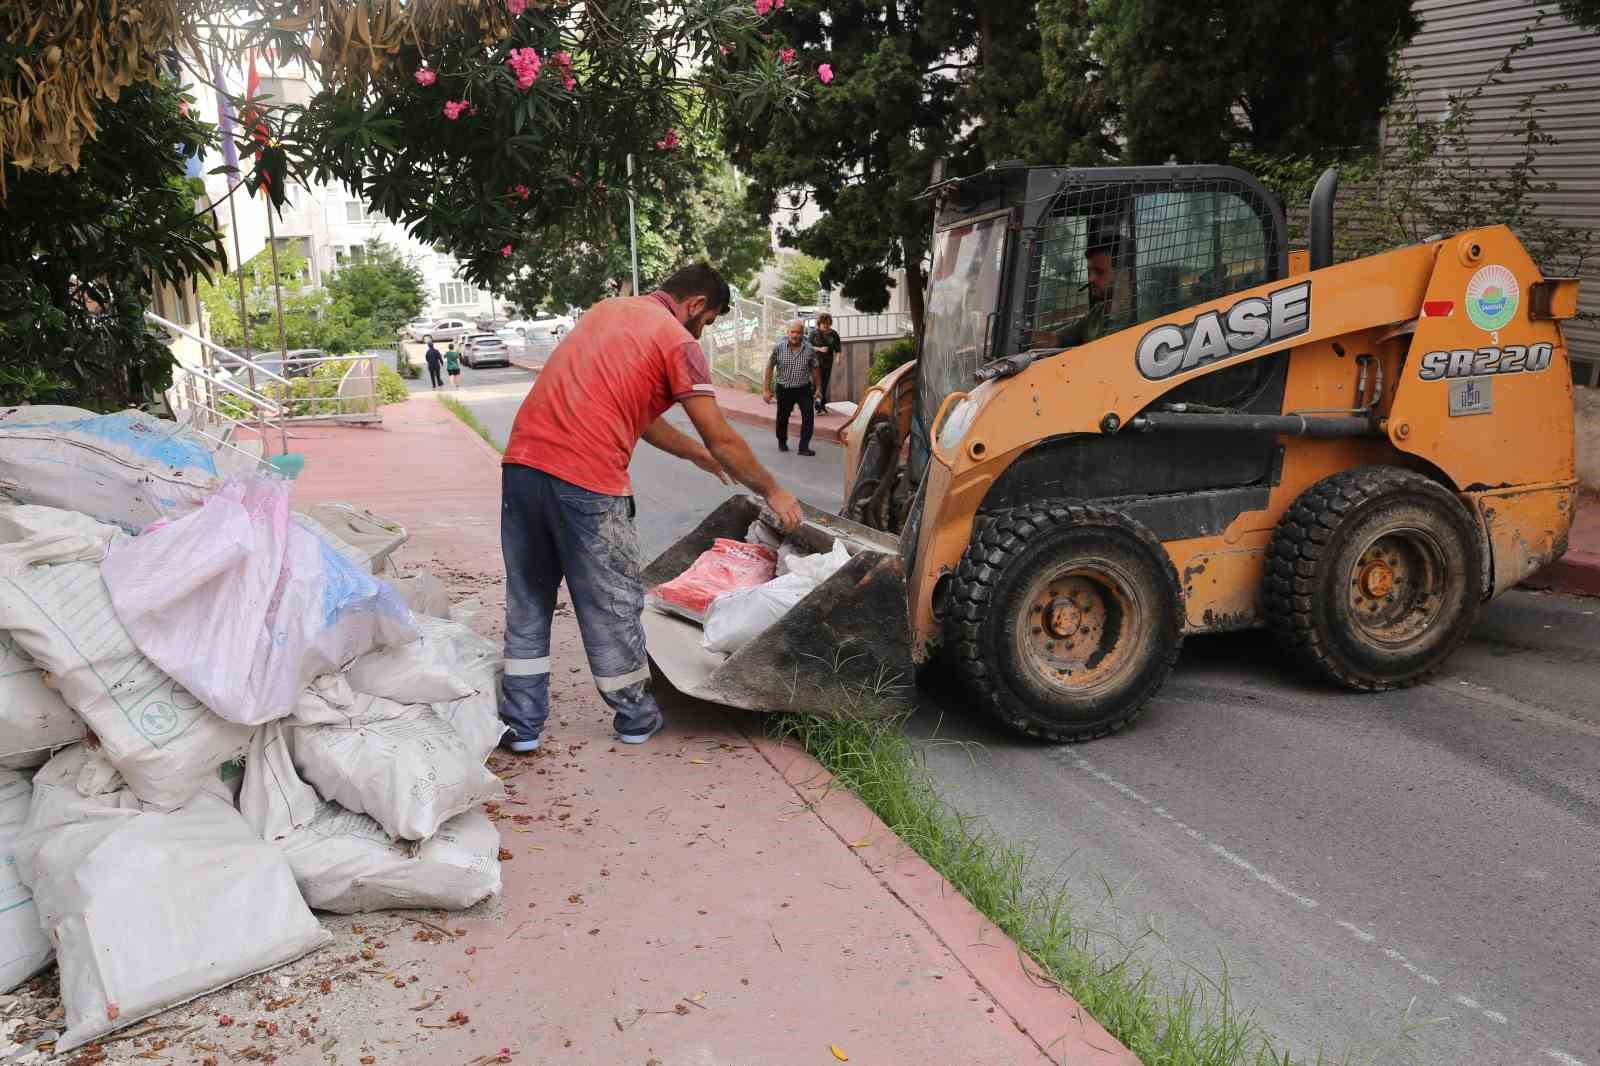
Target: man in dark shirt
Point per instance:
(435, 361)
(825, 341)
(1091, 325)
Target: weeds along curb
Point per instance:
(1194, 1024)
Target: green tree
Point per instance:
(1585, 13)
(912, 84)
(694, 208)
(800, 279)
(81, 252)
(381, 288)
(1193, 80)
(337, 318)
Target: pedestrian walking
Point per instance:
(452, 366)
(794, 362)
(567, 504)
(825, 339)
(434, 361)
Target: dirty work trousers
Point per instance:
(549, 530)
(790, 397)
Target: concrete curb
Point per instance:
(1056, 1023)
(759, 418)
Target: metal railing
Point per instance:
(740, 341)
(861, 327)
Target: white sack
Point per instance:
(24, 949)
(424, 594)
(737, 617)
(244, 607)
(430, 669)
(273, 799)
(76, 786)
(34, 719)
(345, 863)
(164, 741)
(819, 567)
(30, 535)
(763, 534)
(151, 911)
(411, 774)
(128, 468)
(475, 718)
(373, 535)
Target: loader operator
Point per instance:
(567, 506)
(1101, 285)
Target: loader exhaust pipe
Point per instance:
(1322, 218)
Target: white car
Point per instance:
(443, 330)
(481, 349)
(542, 326)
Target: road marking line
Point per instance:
(1359, 933)
(1563, 1058)
(1063, 754)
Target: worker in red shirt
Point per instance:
(567, 504)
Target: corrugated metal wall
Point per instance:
(1460, 42)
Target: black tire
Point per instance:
(1374, 577)
(1083, 571)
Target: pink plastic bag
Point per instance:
(729, 565)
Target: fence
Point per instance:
(890, 324)
(739, 342)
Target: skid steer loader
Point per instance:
(1355, 456)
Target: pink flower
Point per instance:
(763, 6)
(521, 192)
(787, 55)
(516, 7)
(670, 141)
(825, 73)
(526, 63)
(425, 76)
(453, 108)
(505, 252)
(563, 62)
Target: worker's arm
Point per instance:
(731, 450)
(673, 441)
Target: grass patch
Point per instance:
(1189, 1021)
(459, 409)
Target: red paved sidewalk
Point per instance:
(700, 899)
(1578, 572)
(748, 407)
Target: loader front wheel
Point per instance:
(1373, 578)
(1064, 619)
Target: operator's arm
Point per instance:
(731, 450)
(662, 434)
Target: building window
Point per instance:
(455, 293)
(356, 211)
(354, 255)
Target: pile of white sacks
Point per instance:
(215, 714)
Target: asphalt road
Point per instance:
(1408, 877)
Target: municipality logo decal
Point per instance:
(1492, 296)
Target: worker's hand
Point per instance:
(707, 462)
(766, 397)
(786, 507)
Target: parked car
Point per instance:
(417, 328)
(481, 349)
(541, 326)
(447, 329)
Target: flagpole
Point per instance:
(230, 156)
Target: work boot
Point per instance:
(639, 734)
(517, 745)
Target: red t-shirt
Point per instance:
(623, 365)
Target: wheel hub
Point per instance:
(1377, 579)
(1396, 589)
(1063, 617)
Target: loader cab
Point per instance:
(1010, 264)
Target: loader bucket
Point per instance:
(845, 647)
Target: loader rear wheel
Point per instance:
(1064, 619)
(1374, 578)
